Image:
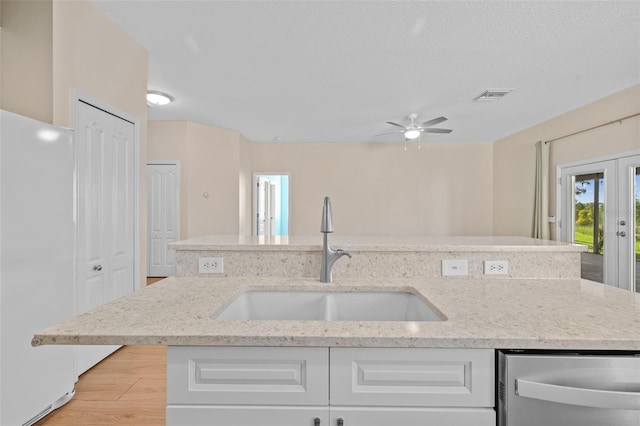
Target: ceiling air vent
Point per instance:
(492, 95)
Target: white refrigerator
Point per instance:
(36, 266)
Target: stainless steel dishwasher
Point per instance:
(568, 389)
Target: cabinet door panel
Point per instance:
(412, 377)
(247, 375)
(195, 415)
(388, 416)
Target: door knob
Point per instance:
(97, 268)
(621, 234)
(340, 422)
(623, 223)
(316, 421)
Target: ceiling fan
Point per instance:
(414, 130)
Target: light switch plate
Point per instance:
(455, 268)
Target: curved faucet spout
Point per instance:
(329, 256)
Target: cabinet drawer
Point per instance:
(247, 375)
(195, 415)
(412, 377)
(386, 416)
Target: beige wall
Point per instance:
(26, 65)
(381, 189)
(92, 55)
(51, 48)
(213, 158)
(514, 156)
(210, 162)
(245, 187)
(376, 188)
(168, 142)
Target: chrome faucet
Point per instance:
(329, 256)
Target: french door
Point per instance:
(600, 208)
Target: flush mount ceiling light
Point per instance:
(155, 97)
(492, 95)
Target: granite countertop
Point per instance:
(374, 243)
(526, 314)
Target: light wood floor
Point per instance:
(126, 388)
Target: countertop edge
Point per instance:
(353, 342)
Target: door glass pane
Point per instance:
(589, 223)
(636, 228)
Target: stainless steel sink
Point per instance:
(329, 306)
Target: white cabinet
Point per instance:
(248, 375)
(411, 416)
(413, 377)
(209, 415)
(249, 386)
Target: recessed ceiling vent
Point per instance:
(492, 95)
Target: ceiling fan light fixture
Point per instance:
(412, 134)
(155, 97)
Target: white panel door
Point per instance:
(262, 203)
(106, 215)
(271, 214)
(163, 220)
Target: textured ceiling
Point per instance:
(336, 71)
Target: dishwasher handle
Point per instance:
(578, 396)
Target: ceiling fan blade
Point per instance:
(397, 124)
(390, 133)
(436, 130)
(434, 121)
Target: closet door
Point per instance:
(105, 216)
(163, 218)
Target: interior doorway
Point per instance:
(600, 208)
(271, 204)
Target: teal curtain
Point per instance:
(541, 200)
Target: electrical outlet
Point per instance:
(210, 265)
(496, 267)
(455, 268)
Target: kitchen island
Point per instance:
(353, 373)
(379, 257)
(518, 314)
(356, 373)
